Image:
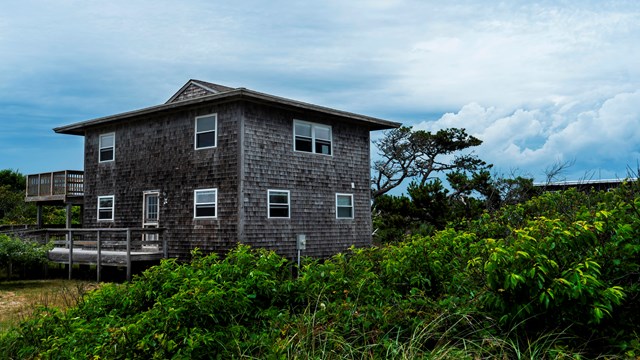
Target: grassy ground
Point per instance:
(18, 299)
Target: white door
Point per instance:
(151, 216)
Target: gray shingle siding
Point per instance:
(313, 181)
(154, 150)
(158, 153)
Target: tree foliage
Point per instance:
(447, 182)
(13, 179)
(15, 211)
(431, 206)
(419, 155)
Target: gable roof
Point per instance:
(196, 88)
(196, 92)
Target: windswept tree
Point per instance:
(427, 160)
(420, 155)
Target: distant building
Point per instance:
(583, 185)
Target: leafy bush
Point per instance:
(556, 276)
(565, 260)
(15, 252)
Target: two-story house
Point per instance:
(215, 166)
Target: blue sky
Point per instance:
(538, 82)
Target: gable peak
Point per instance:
(197, 88)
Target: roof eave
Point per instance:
(79, 128)
(374, 123)
(240, 93)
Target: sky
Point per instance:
(539, 82)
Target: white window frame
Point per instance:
(196, 132)
(101, 147)
(314, 126)
(269, 204)
(113, 207)
(352, 207)
(214, 203)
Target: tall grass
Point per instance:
(446, 337)
(21, 299)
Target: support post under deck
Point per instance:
(70, 242)
(69, 207)
(128, 254)
(39, 221)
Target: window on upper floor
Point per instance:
(312, 137)
(205, 203)
(105, 208)
(107, 147)
(206, 130)
(278, 203)
(344, 206)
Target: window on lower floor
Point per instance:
(205, 203)
(105, 208)
(344, 206)
(278, 203)
(311, 137)
(107, 147)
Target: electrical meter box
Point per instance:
(302, 242)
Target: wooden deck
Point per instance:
(65, 186)
(108, 257)
(105, 247)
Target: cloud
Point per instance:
(523, 54)
(603, 140)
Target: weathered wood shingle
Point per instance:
(255, 152)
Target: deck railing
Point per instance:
(58, 183)
(96, 244)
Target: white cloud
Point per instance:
(514, 55)
(604, 139)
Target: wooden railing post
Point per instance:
(128, 254)
(165, 249)
(99, 260)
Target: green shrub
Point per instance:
(562, 261)
(556, 276)
(18, 253)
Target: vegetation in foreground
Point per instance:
(554, 277)
(20, 256)
(19, 299)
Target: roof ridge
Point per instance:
(212, 86)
